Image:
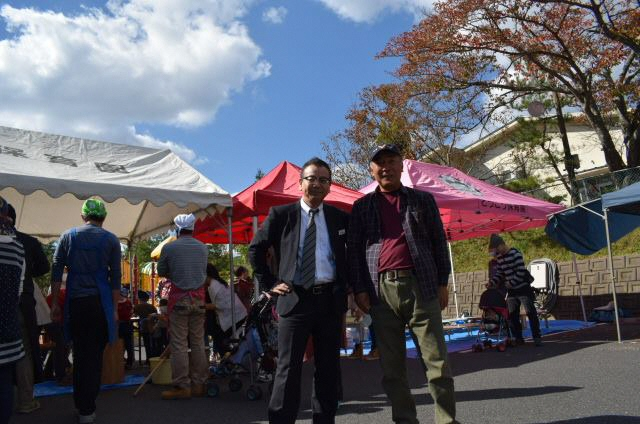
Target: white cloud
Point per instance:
(274, 15)
(100, 72)
(369, 10)
(181, 150)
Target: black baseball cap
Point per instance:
(391, 148)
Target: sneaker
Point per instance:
(372, 355)
(537, 341)
(87, 419)
(29, 407)
(177, 393)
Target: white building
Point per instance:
(501, 161)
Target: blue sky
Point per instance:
(230, 85)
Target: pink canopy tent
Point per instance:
(470, 207)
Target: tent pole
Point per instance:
(231, 281)
(579, 283)
(256, 286)
(453, 277)
(613, 278)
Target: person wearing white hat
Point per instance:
(184, 262)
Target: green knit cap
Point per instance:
(94, 208)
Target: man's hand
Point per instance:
(443, 296)
(363, 302)
(281, 289)
(56, 312)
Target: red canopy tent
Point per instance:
(251, 206)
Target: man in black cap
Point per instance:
(400, 271)
(517, 280)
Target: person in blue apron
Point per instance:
(92, 256)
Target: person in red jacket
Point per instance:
(125, 326)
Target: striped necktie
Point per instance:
(308, 263)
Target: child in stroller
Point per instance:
(494, 322)
(254, 352)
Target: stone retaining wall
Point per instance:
(596, 287)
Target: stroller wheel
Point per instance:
(213, 390)
(254, 393)
(501, 347)
(487, 343)
(235, 384)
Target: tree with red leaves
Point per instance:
(498, 52)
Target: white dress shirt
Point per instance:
(325, 262)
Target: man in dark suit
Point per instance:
(309, 239)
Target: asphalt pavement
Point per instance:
(580, 377)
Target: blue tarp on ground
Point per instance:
(50, 388)
(460, 340)
(583, 232)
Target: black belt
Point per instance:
(394, 274)
(316, 289)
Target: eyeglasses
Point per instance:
(313, 179)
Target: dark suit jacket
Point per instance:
(281, 230)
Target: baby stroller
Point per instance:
(494, 324)
(254, 352)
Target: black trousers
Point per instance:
(59, 359)
(89, 336)
(524, 297)
(314, 316)
(125, 332)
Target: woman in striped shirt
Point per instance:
(517, 280)
(12, 267)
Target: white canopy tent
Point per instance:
(47, 177)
